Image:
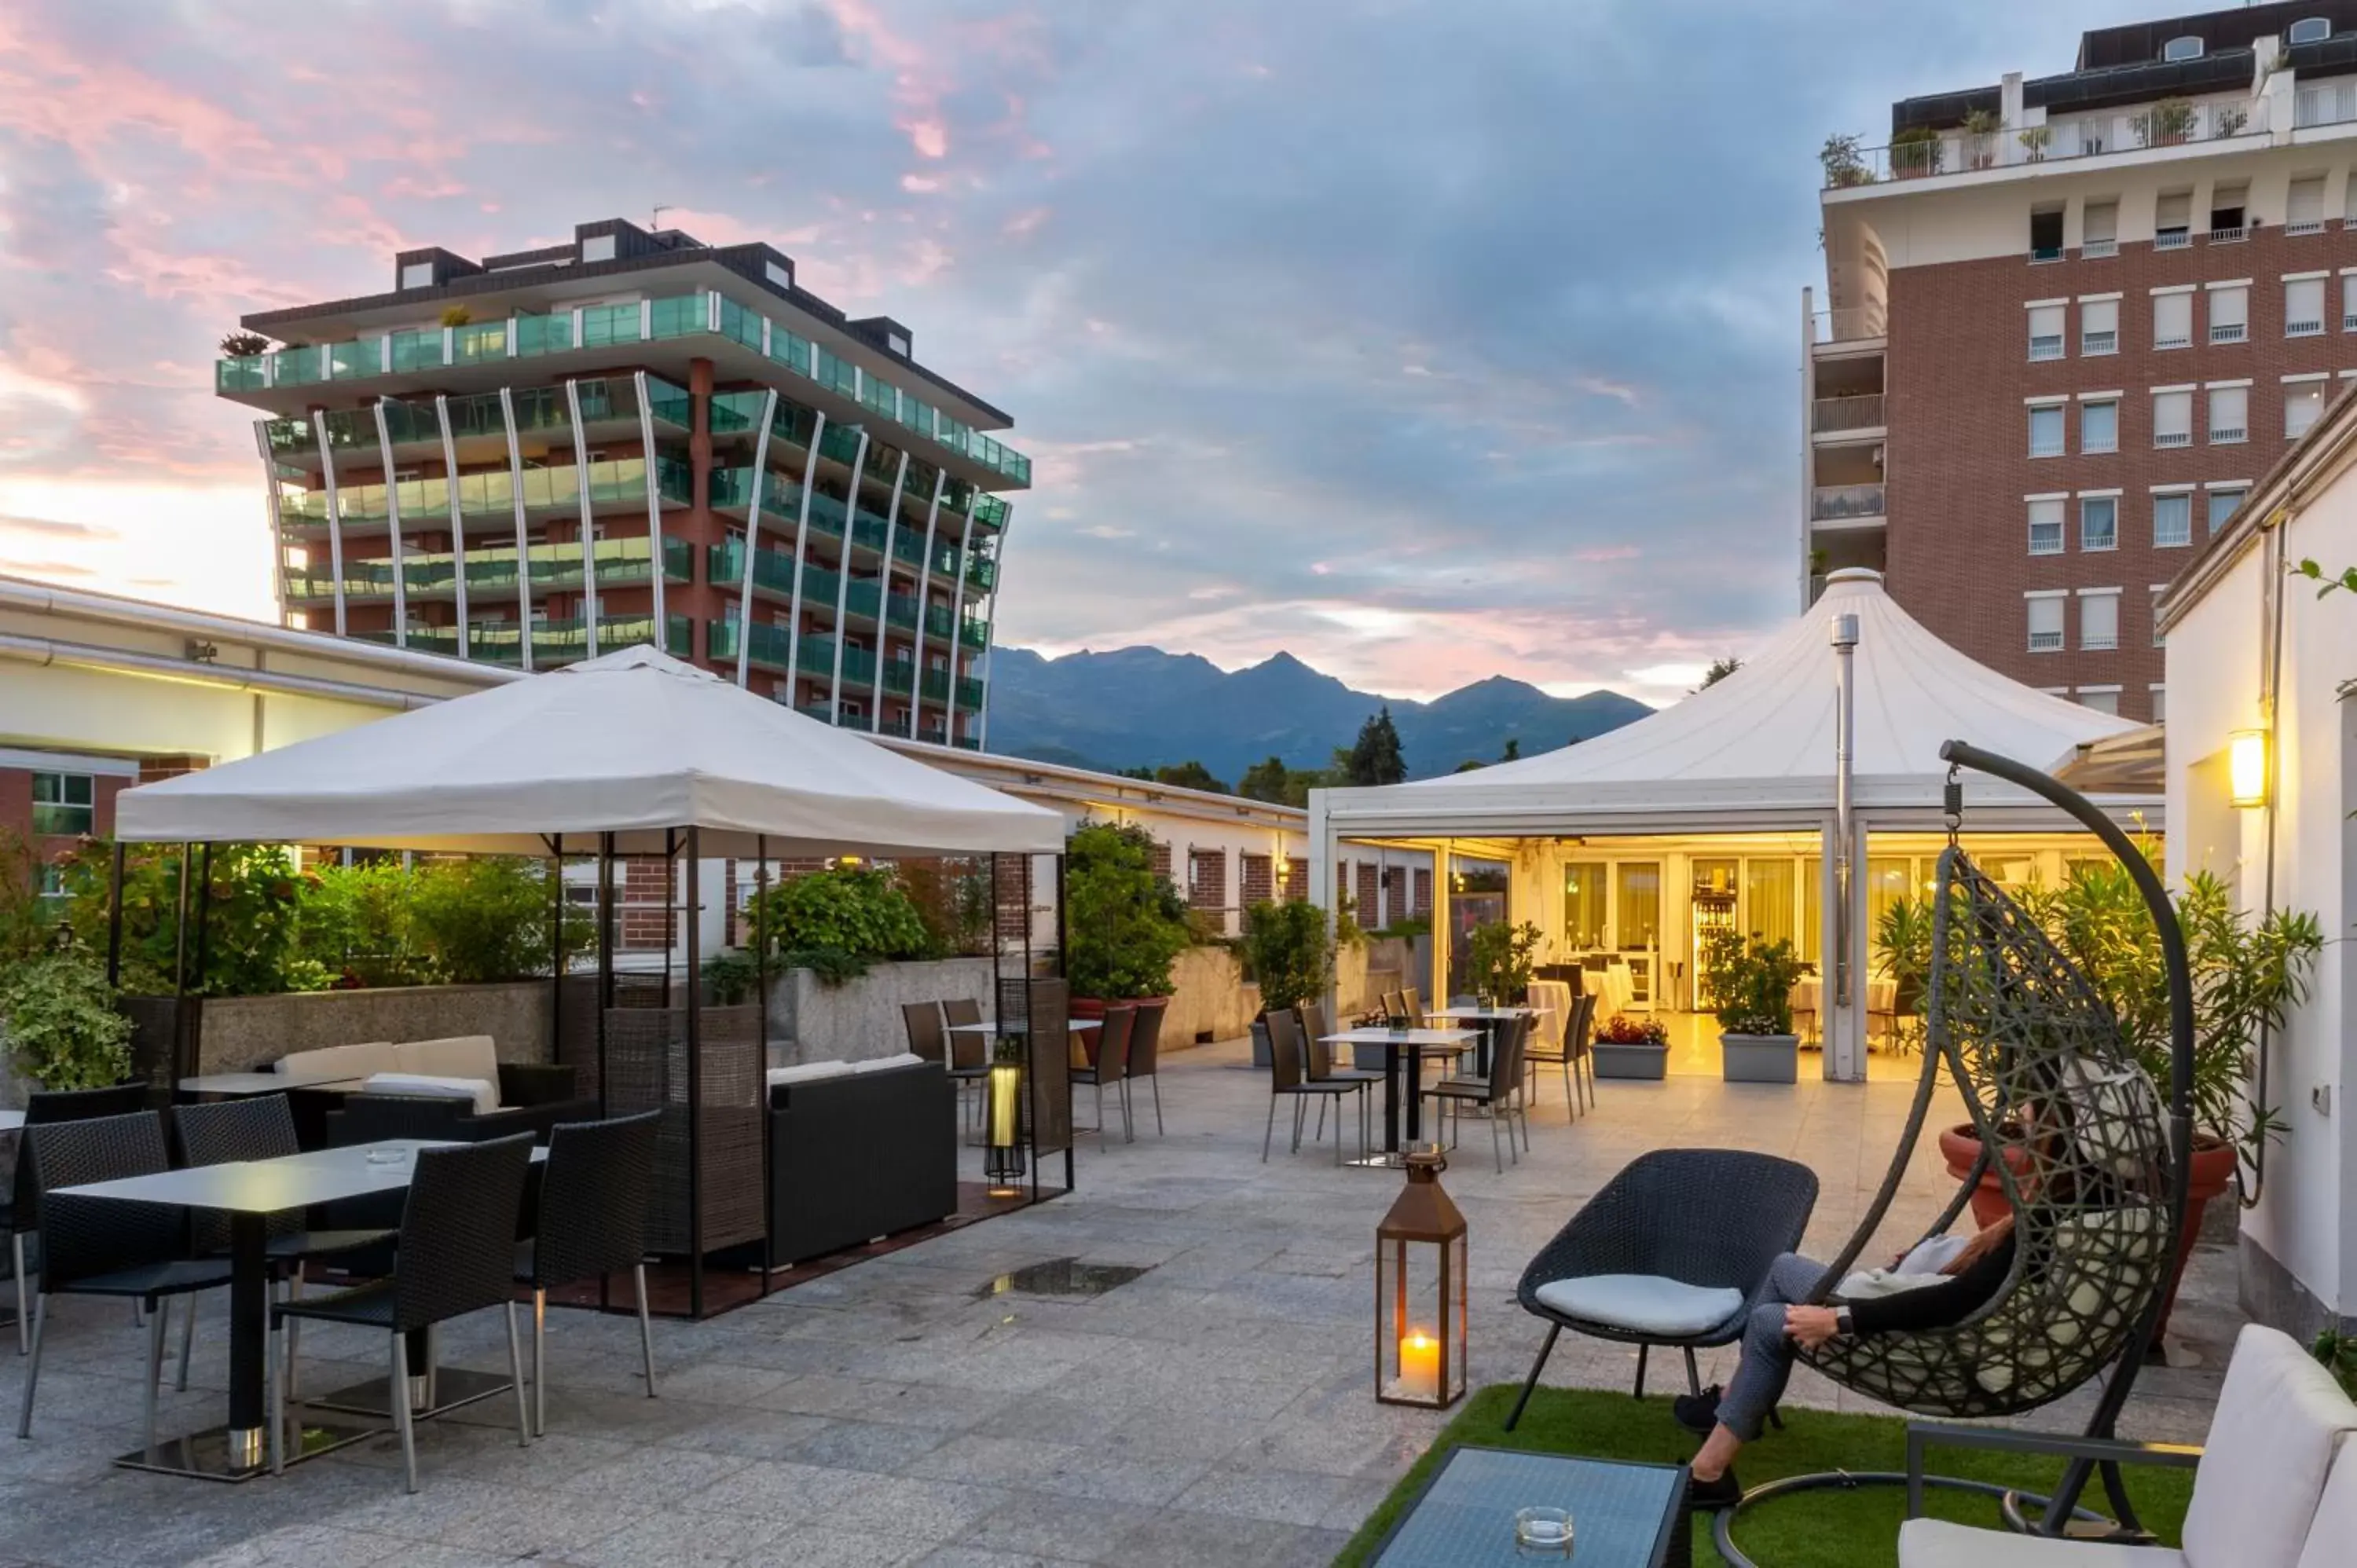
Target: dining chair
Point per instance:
(1319, 1065)
(922, 1023)
(969, 1053)
(589, 1220)
(1581, 1043)
(1112, 1066)
(1412, 1003)
(455, 1254)
(22, 1215)
(1539, 1050)
(1287, 1079)
(1496, 1092)
(105, 1247)
(260, 1127)
(1145, 1053)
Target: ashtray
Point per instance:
(388, 1156)
(1543, 1532)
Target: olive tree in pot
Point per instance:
(1125, 924)
(1754, 980)
(1498, 960)
(1285, 949)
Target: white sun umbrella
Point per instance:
(636, 744)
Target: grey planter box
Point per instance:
(1262, 1056)
(1760, 1058)
(1631, 1060)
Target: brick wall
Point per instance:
(1368, 896)
(1957, 462)
(1256, 879)
(1207, 878)
(644, 889)
(1424, 892)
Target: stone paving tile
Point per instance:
(1079, 1529)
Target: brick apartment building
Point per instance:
(2069, 320)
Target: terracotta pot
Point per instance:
(1961, 1147)
(2211, 1174)
(1088, 1006)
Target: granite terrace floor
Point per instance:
(1214, 1409)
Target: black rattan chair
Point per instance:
(1497, 1093)
(259, 1128)
(455, 1254)
(22, 1216)
(1673, 1252)
(1287, 1079)
(590, 1220)
(99, 1246)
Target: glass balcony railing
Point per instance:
(620, 481)
(868, 531)
(816, 657)
(974, 634)
(782, 499)
(772, 569)
(969, 694)
(491, 570)
(982, 572)
(767, 645)
(669, 317)
(859, 666)
(899, 677)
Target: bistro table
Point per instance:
(1623, 1515)
(1418, 1043)
(1078, 1054)
(1487, 1018)
(11, 1119)
(249, 1192)
(245, 1085)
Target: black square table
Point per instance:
(1622, 1515)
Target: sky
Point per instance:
(1428, 342)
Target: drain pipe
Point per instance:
(1844, 630)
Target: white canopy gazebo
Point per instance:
(631, 753)
(1761, 752)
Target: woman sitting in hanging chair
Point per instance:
(1936, 1284)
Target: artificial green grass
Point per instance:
(1856, 1528)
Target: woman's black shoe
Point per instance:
(1696, 1413)
(1709, 1496)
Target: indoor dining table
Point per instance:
(1417, 1044)
(248, 1192)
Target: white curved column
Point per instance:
(523, 531)
(925, 603)
(883, 603)
(753, 544)
(843, 579)
(335, 513)
(458, 522)
(654, 511)
(801, 534)
(393, 529)
(588, 519)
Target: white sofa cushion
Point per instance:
(459, 1056)
(1643, 1303)
(886, 1064)
(1936, 1543)
(2271, 1443)
(806, 1072)
(339, 1061)
(2335, 1528)
(482, 1096)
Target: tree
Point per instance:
(1375, 757)
(1470, 765)
(1189, 775)
(1514, 752)
(1720, 668)
(1264, 781)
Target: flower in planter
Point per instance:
(1623, 1030)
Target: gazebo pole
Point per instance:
(605, 996)
(761, 1002)
(1063, 935)
(180, 935)
(694, 1073)
(556, 958)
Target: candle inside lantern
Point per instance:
(1419, 1362)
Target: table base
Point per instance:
(213, 1455)
(454, 1388)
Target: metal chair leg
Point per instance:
(1693, 1377)
(1269, 1131)
(1300, 1109)
(1155, 1080)
(1532, 1380)
(188, 1341)
(1496, 1153)
(515, 1376)
(1643, 1350)
(273, 1384)
(32, 1367)
(1320, 1134)
(159, 1324)
(294, 1333)
(24, 1307)
(404, 1421)
(539, 1363)
(646, 1330)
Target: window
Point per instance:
(2046, 234)
(2303, 406)
(2172, 418)
(2349, 298)
(2230, 313)
(2099, 621)
(2100, 227)
(2045, 623)
(2172, 221)
(2099, 425)
(417, 274)
(597, 248)
(2230, 415)
(2222, 503)
(1583, 907)
(2101, 699)
(64, 803)
(2172, 319)
(2159, 698)
(2099, 522)
(2158, 640)
(2172, 520)
(2226, 205)
(2304, 206)
(897, 343)
(2046, 430)
(2307, 31)
(2046, 322)
(2099, 327)
(2187, 47)
(2303, 306)
(777, 274)
(2046, 526)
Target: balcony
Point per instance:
(1832, 415)
(732, 491)
(620, 481)
(1843, 503)
(1847, 324)
(2064, 140)
(767, 645)
(553, 642)
(669, 318)
(491, 570)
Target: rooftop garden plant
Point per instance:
(838, 923)
(1500, 958)
(1288, 950)
(1915, 152)
(1126, 924)
(1754, 979)
(64, 1029)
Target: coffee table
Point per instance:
(1622, 1516)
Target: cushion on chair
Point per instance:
(476, 1091)
(1936, 1543)
(2336, 1517)
(1643, 1303)
(804, 1072)
(2271, 1442)
(339, 1061)
(888, 1064)
(459, 1056)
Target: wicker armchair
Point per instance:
(1673, 1252)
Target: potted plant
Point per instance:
(1128, 925)
(2166, 123)
(1629, 1047)
(244, 345)
(1980, 138)
(64, 1029)
(1286, 950)
(1845, 164)
(2034, 140)
(1754, 980)
(1915, 152)
(1498, 960)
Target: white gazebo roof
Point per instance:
(634, 743)
(1759, 746)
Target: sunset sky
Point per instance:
(1428, 342)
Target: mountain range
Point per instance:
(1143, 707)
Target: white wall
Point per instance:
(2306, 1219)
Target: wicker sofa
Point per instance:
(856, 1153)
(485, 1097)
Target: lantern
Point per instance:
(1420, 1291)
(1003, 1159)
(2246, 766)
